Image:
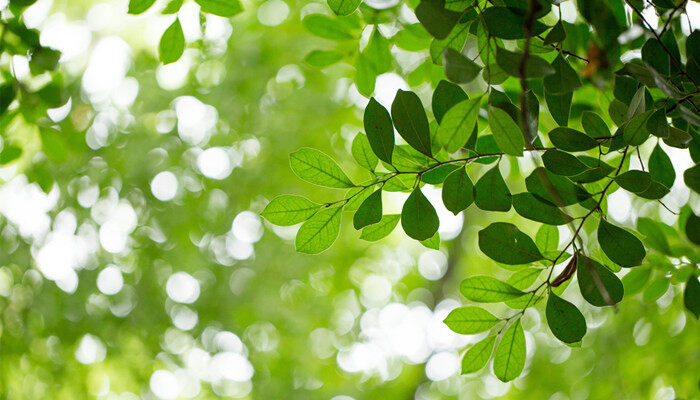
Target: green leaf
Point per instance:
(532, 208)
(458, 191)
(506, 132)
(547, 238)
(692, 228)
(478, 355)
(438, 175)
(563, 80)
(556, 35)
(139, 6)
(509, 61)
(172, 7)
(562, 163)
(410, 121)
(326, 27)
(565, 320)
(432, 242)
(485, 289)
(491, 192)
(172, 43)
(356, 196)
(635, 131)
(455, 40)
(458, 5)
(319, 232)
(378, 53)
(691, 176)
(691, 295)
(638, 103)
(222, 8)
(369, 212)
(541, 181)
(9, 153)
(559, 106)
(591, 276)
(504, 24)
(593, 125)
(418, 217)
(470, 320)
(677, 138)
(435, 18)
(654, 54)
(362, 152)
(634, 281)
(459, 68)
(622, 247)
(657, 288)
(316, 167)
(344, 7)
(289, 210)
(655, 234)
(380, 131)
(509, 360)
(571, 140)
(445, 96)
(654, 192)
(323, 58)
(381, 229)
(505, 243)
(657, 124)
(7, 95)
(52, 143)
(365, 75)
(458, 125)
(524, 278)
(597, 170)
(634, 181)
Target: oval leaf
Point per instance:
(565, 320)
(485, 289)
(418, 217)
(470, 320)
(316, 167)
(289, 210)
(622, 247)
(319, 232)
(505, 243)
(410, 121)
(509, 361)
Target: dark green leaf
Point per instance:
(438, 175)
(562, 163)
(418, 217)
(592, 276)
(542, 183)
(380, 131)
(509, 360)
(478, 355)
(470, 320)
(556, 35)
(458, 125)
(381, 229)
(491, 192)
(369, 212)
(458, 191)
(677, 138)
(530, 207)
(485, 289)
(635, 131)
(571, 140)
(505, 243)
(563, 80)
(289, 210)
(445, 96)
(459, 68)
(505, 24)
(506, 132)
(593, 125)
(316, 167)
(565, 320)
(435, 18)
(654, 54)
(622, 247)
(692, 228)
(410, 121)
(691, 295)
(559, 106)
(536, 67)
(634, 181)
(657, 124)
(691, 176)
(319, 232)
(172, 43)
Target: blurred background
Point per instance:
(134, 263)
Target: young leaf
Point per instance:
(478, 355)
(509, 360)
(369, 212)
(410, 121)
(457, 191)
(418, 217)
(565, 320)
(622, 247)
(532, 208)
(563, 80)
(289, 210)
(378, 52)
(458, 125)
(323, 58)
(362, 152)
(316, 167)
(470, 320)
(536, 67)
(568, 139)
(172, 43)
(222, 8)
(591, 276)
(506, 132)
(491, 192)
(319, 232)
(432, 242)
(9, 153)
(445, 96)
(344, 7)
(365, 75)
(485, 289)
(635, 280)
(139, 6)
(634, 181)
(593, 125)
(380, 131)
(524, 278)
(381, 229)
(562, 163)
(505, 243)
(326, 27)
(459, 68)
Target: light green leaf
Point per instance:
(547, 238)
(316, 167)
(505, 243)
(459, 68)
(172, 43)
(222, 8)
(432, 242)
(470, 320)
(509, 360)
(506, 132)
(344, 7)
(478, 355)
(362, 152)
(485, 289)
(458, 125)
(139, 6)
(326, 27)
(289, 209)
(381, 229)
(323, 58)
(319, 232)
